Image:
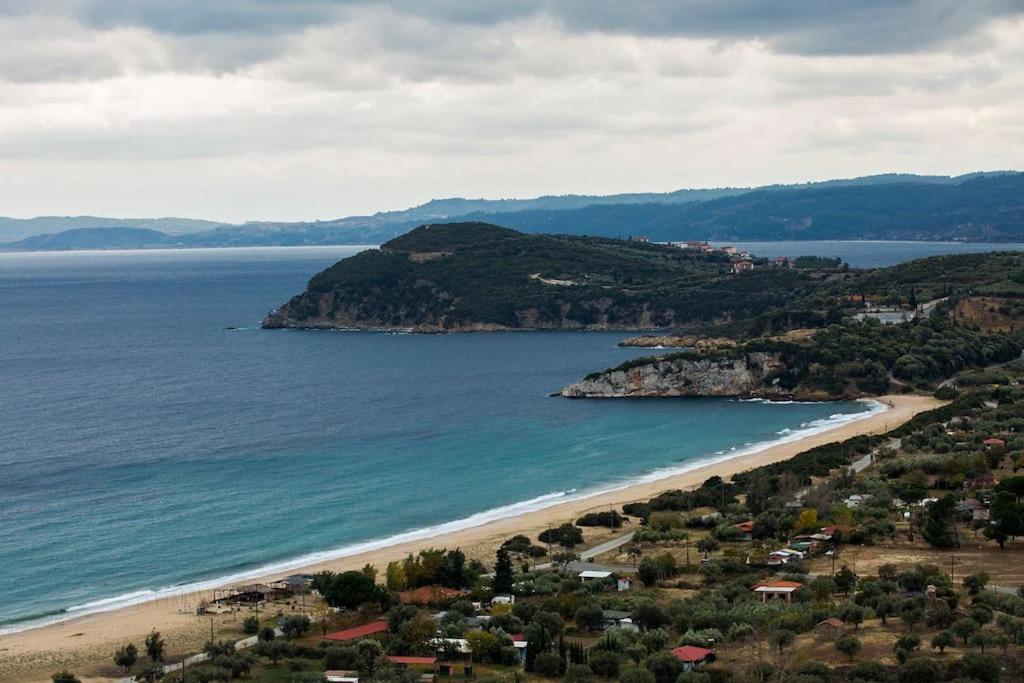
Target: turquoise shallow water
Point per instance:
(143, 446)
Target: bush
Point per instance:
(65, 676)
(566, 535)
(605, 663)
(250, 625)
(636, 674)
(610, 519)
(578, 673)
(548, 664)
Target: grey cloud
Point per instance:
(793, 26)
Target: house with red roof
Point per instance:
(692, 657)
(357, 632)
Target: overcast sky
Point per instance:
(304, 109)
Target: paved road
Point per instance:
(599, 549)
(863, 463)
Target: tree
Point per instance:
(1006, 518)
(845, 580)
(885, 607)
(980, 667)
(920, 670)
(708, 545)
(155, 646)
(250, 625)
(636, 674)
(982, 639)
(965, 628)
(395, 577)
(852, 614)
(503, 579)
(578, 673)
(605, 663)
(563, 558)
(907, 643)
(65, 676)
(942, 640)
(648, 571)
(294, 625)
(274, 650)
(266, 634)
(782, 638)
(911, 613)
(548, 664)
(665, 667)
(418, 633)
(590, 617)
(807, 521)
(975, 583)
(126, 657)
(647, 615)
(848, 645)
(567, 535)
(348, 589)
(939, 529)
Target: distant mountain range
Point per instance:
(973, 207)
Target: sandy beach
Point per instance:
(85, 643)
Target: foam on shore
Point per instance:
(542, 502)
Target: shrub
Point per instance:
(548, 664)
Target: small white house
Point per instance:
(503, 600)
(341, 676)
(593, 575)
(623, 584)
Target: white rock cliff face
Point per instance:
(749, 374)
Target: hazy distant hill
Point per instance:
(17, 228)
(984, 209)
(94, 238)
(976, 206)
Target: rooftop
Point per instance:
(358, 631)
(691, 653)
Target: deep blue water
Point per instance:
(143, 445)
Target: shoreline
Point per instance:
(162, 611)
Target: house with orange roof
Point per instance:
(777, 590)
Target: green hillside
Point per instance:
(474, 276)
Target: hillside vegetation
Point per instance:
(475, 276)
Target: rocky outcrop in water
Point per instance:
(753, 374)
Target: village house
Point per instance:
(777, 590)
(358, 632)
(830, 629)
(746, 530)
(617, 619)
(993, 442)
(341, 676)
(693, 658)
(742, 266)
(593, 575)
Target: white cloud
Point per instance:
(340, 111)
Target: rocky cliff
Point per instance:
(752, 374)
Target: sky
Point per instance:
(314, 109)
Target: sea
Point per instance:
(154, 440)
